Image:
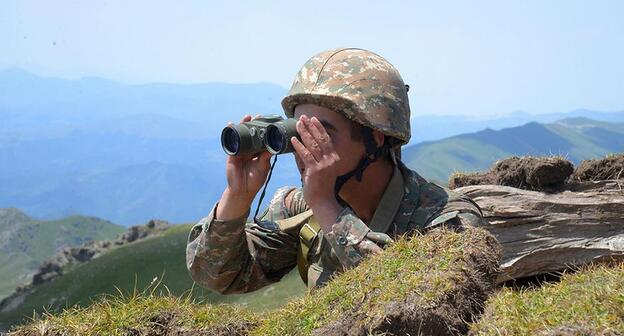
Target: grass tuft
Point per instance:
(151, 311)
(588, 302)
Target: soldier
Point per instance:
(357, 196)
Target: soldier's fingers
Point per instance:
(379, 238)
(246, 118)
(304, 154)
(257, 116)
(307, 139)
(320, 134)
(367, 247)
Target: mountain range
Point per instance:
(130, 153)
(574, 138)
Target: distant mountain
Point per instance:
(135, 266)
(129, 153)
(36, 107)
(431, 128)
(574, 138)
(26, 242)
(130, 194)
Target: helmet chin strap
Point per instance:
(372, 154)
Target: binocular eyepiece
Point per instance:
(271, 133)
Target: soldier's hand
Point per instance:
(320, 158)
(246, 173)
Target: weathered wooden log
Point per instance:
(548, 232)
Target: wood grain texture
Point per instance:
(547, 232)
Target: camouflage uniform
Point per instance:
(235, 257)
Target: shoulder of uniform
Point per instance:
(429, 192)
(448, 200)
(425, 192)
(277, 208)
(295, 202)
(434, 202)
(280, 194)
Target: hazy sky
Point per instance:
(459, 57)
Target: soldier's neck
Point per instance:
(364, 197)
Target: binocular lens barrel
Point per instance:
(269, 133)
(278, 136)
(237, 139)
(230, 141)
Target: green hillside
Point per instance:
(136, 265)
(26, 242)
(576, 139)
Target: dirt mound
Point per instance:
(542, 173)
(446, 314)
(529, 173)
(433, 284)
(609, 168)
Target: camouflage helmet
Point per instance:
(360, 84)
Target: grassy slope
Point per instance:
(577, 139)
(438, 160)
(29, 242)
(591, 301)
(135, 266)
(586, 303)
(434, 265)
(590, 140)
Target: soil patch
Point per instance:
(166, 323)
(529, 173)
(609, 168)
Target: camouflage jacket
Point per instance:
(237, 257)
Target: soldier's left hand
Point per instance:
(321, 164)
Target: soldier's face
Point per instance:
(339, 130)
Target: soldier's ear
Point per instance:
(379, 138)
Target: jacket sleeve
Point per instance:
(352, 240)
(237, 257)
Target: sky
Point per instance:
(477, 58)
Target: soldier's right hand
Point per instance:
(246, 173)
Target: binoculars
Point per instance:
(271, 133)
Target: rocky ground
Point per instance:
(67, 257)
